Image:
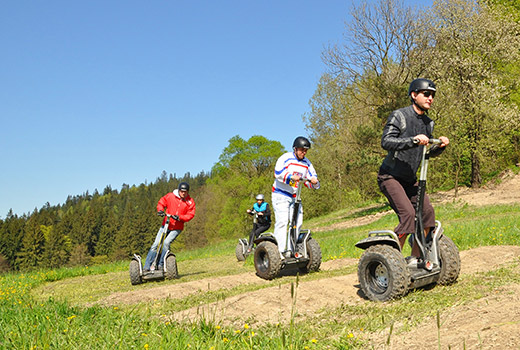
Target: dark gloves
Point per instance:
(175, 217)
(160, 213)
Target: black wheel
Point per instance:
(382, 273)
(314, 251)
(171, 267)
(135, 273)
(267, 260)
(450, 261)
(239, 252)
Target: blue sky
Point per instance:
(96, 93)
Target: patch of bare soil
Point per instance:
(492, 322)
(504, 190)
(315, 296)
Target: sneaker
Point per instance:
(412, 260)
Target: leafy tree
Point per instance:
(244, 170)
(465, 46)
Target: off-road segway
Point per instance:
(241, 250)
(302, 251)
(385, 274)
(169, 264)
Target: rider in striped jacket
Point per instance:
(289, 169)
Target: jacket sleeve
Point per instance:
(162, 204)
(190, 213)
(436, 150)
(394, 128)
(312, 173)
(280, 171)
(267, 211)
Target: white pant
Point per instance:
(283, 210)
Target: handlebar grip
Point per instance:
(435, 141)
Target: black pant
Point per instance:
(256, 231)
(403, 199)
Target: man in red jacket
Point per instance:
(181, 206)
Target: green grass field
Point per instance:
(56, 309)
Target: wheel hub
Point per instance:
(381, 276)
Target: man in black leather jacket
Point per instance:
(406, 132)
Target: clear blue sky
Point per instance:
(96, 93)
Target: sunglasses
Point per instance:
(428, 93)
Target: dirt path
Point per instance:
(492, 322)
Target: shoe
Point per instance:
(412, 261)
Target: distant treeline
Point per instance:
(102, 226)
(470, 49)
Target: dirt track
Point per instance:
(492, 322)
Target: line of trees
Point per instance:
(90, 228)
(471, 49)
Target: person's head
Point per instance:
(183, 188)
(259, 198)
(300, 147)
(421, 92)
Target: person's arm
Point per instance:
(162, 204)
(394, 128)
(190, 213)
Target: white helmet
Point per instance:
(260, 197)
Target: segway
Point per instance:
(303, 251)
(241, 249)
(169, 264)
(385, 274)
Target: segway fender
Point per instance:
(138, 259)
(266, 236)
(379, 237)
(304, 236)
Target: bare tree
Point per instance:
(466, 47)
(378, 37)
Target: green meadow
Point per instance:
(59, 309)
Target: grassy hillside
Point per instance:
(60, 309)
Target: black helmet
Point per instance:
(421, 84)
(184, 186)
(301, 142)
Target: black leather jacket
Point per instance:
(404, 156)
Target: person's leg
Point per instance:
(153, 251)
(252, 237)
(428, 214)
(172, 235)
(401, 204)
(260, 229)
(281, 206)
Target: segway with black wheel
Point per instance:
(301, 251)
(242, 250)
(169, 265)
(385, 274)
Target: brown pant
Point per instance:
(403, 198)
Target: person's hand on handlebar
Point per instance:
(421, 139)
(444, 141)
(295, 177)
(313, 180)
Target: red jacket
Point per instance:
(172, 204)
